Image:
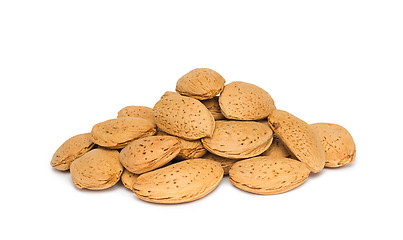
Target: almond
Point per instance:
(180, 182)
(128, 179)
(277, 149)
(226, 163)
(266, 175)
(183, 117)
(137, 112)
(214, 107)
(245, 101)
(338, 144)
(200, 83)
(299, 138)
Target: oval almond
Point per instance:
(299, 138)
(137, 112)
(180, 182)
(266, 175)
(214, 107)
(245, 101)
(239, 139)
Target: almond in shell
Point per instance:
(277, 149)
(137, 112)
(97, 169)
(245, 101)
(266, 175)
(119, 132)
(300, 139)
(200, 83)
(70, 150)
(149, 153)
(239, 139)
(214, 107)
(338, 144)
(226, 163)
(181, 182)
(128, 179)
(183, 117)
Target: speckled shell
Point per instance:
(149, 153)
(189, 149)
(225, 163)
(239, 139)
(338, 144)
(214, 107)
(277, 149)
(119, 132)
(200, 83)
(128, 179)
(97, 169)
(299, 138)
(266, 176)
(245, 101)
(137, 112)
(180, 182)
(183, 117)
(70, 150)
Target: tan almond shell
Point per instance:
(245, 101)
(128, 179)
(226, 163)
(266, 175)
(338, 143)
(300, 139)
(70, 150)
(148, 153)
(97, 169)
(137, 112)
(200, 83)
(119, 132)
(214, 107)
(239, 139)
(277, 149)
(183, 117)
(169, 93)
(189, 149)
(181, 182)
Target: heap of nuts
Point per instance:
(180, 150)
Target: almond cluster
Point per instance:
(180, 150)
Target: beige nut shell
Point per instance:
(149, 153)
(245, 101)
(119, 132)
(266, 175)
(226, 163)
(183, 117)
(180, 182)
(70, 150)
(128, 179)
(97, 169)
(214, 107)
(338, 144)
(239, 139)
(137, 112)
(299, 138)
(277, 149)
(200, 83)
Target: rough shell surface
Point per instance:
(265, 175)
(149, 153)
(119, 132)
(128, 179)
(299, 138)
(200, 83)
(70, 150)
(338, 144)
(137, 112)
(239, 139)
(189, 149)
(214, 107)
(180, 182)
(245, 101)
(183, 117)
(97, 169)
(169, 93)
(277, 149)
(226, 163)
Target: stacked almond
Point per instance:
(179, 150)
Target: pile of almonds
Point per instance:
(180, 150)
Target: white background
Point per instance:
(67, 65)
